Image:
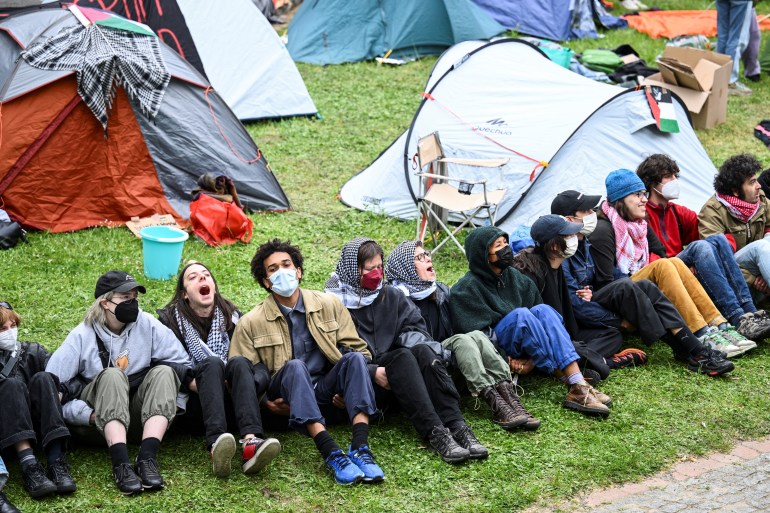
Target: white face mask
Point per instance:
(284, 281)
(670, 190)
(572, 245)
(589, 224)
(8, 339)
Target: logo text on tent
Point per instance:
(495, 126)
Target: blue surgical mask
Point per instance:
(284, 281)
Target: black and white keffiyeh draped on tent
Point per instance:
(402, 273)
(345, 281)
(104, 58)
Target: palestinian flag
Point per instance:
(88, 16)
(662, 107)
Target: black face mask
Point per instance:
(504, 257)
(127, 311)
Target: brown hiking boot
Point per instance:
(581, 397)
(502, 413)
(509, 395)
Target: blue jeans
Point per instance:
(538, 333)
(350, 378)
(3, 474)
(720, 275)
(755, 258)
(731, 17)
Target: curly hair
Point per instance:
(654, 168)
(258, 270)
(734, 171)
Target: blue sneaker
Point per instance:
(364, 460)
(345, 471)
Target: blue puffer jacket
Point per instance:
(579, 271)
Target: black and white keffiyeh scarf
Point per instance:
(402, 273)
(103, 59)
(345, 282)
(217, 344)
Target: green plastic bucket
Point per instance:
(162, 250)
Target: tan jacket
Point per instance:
(262, 335)
(714, 218)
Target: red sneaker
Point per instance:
(258, 452)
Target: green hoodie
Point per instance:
(481, 298)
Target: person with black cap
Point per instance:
(120, 370)
(497, 299)
(556, 241)
(622, 246)
(30, 411)
(621, 304)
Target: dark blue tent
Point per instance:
(557, 20)
(336, 31)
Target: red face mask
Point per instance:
(372, 279)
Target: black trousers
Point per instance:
(217, 404)
(421, 386)
(642, 304)
(30, 411)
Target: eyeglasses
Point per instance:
(6, 305)
(641, 194)
(422, 256)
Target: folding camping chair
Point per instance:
(438, 196)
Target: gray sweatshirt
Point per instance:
(140, 345)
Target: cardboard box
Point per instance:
(136, 223)
(699, 78)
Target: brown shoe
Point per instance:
(502, 413)
(603, 398)
(509, 395)
(581, 397)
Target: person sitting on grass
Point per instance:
(30, 411)
(556, 241)
(622, 246)
(410, 269)
(711, 258)
(204, 321)
(622, 304)
(741, 211)
(6, 506)
(307, 343)
(408, 367)
(121, 370)
(495, 298)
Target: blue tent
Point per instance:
(557, 20)
(336, 31)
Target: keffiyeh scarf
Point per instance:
(345, 282)
(217, 343)
(632, 251)
(402, 272)
(741, 210)
(103, 59)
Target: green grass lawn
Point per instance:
(661, 412)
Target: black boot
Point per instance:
(59, 473)
(6, 506)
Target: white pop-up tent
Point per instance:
(507, 99)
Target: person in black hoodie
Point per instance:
(410, 270)
(407, 367)
(30, 411)
(203, 321)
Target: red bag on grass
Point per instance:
(218, 222)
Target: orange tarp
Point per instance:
(77, 178)
(670, 24)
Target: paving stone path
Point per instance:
(736, 482)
